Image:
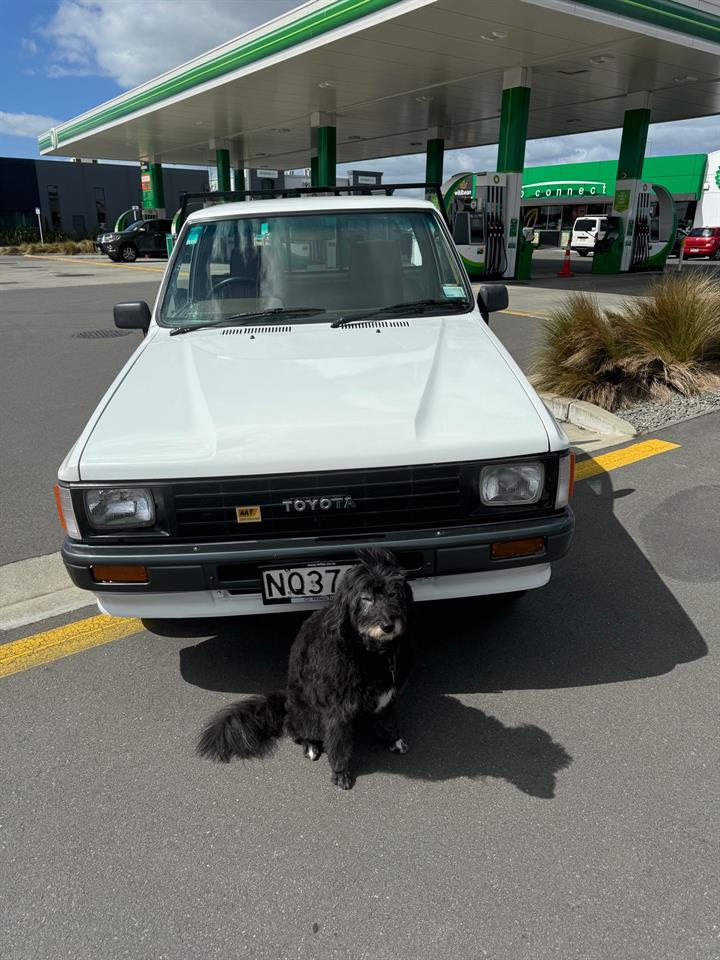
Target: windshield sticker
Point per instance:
(454, 290)
(193, 234)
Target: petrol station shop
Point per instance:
(552, 197)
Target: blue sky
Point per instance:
(25, 86)
(59, 58)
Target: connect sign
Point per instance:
(564, 188)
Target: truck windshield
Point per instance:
(335, 262)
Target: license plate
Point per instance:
(694, 250)
(301, 584)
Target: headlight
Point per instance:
(508, 484)
(119, 507)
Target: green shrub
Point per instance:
(650, 348)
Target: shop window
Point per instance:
(554, 217)
(78, 222)
(54, 202)
(100, 211)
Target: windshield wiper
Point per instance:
(239, 319)
(410, 306)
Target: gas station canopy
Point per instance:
(389, 74)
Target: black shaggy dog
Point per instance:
(347, 664)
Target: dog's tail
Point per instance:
(246, 729)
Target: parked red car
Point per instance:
(703, 242)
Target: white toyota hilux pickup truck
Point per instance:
(316, 377)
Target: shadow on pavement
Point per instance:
(605, 617)
(449, 739)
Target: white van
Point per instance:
(585, 232)
(316, 376)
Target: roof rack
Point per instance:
(198, 201)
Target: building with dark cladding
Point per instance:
(81, 197)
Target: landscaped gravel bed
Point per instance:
(649, 416)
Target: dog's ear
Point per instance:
(337, 612)
(409, 605)
(409, 598)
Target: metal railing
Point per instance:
(199, 201)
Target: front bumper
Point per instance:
(213, 572)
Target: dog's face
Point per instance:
(376, 597)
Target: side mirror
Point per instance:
(132, 316)
(491, 298)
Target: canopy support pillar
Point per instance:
(514, 114)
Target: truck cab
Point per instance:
(316, 376)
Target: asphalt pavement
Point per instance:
(60, 352)
(559, 799)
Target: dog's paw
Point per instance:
(343, 779)
(312, 751)
(400, 746)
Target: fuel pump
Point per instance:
(641, 233)
(484, 214)
(636, 243)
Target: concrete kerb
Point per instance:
(35, 589)
(587, 415)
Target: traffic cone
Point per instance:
(566, 271)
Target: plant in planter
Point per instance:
(651, 348)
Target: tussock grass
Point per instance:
(67, 247)
(650, 348)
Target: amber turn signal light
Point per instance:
(111, 573)
(58, 504)
(508, 549)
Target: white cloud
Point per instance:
(29, 46)
(24, 124)
(134, 40)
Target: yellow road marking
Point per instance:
(63, 641)
(94, 263)
(621, 458)
(524, 313)
(83, 634)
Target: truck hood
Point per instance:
(240, 401)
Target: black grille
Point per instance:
(384, 499)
